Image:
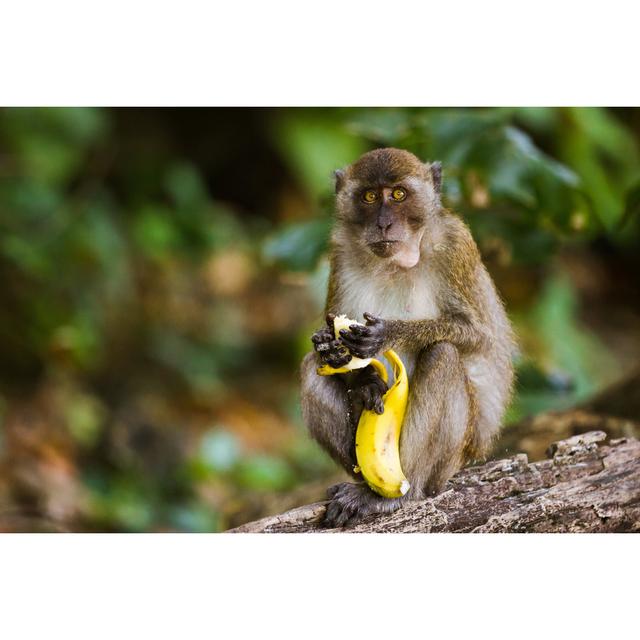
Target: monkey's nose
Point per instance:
(384, 223)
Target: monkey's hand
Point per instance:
(366, 391)
(365, 341)
(330, 350)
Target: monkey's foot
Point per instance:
(349, 503)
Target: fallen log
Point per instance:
(587, 484)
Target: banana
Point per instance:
(342, 322)
(378, 436)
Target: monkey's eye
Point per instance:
(398, 194)
(369, 196)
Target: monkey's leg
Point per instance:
(436, 432)
(332, 422)
(325, 409)
(440, 420)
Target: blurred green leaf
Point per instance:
(196, 363)
(85, 416)
(632, 206)
(195, 518)
(264, 472)
(81, 338)
(315, 143)
(385, 126)
(50, 143)
(604, 155)
(120, 504)
(298, 247)
(185, 186)
(154, 231)
(219, 450)
(570, 348)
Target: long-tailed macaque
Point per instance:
(412, 271)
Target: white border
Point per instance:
(319, 586)
(335, 52)
(329, 53)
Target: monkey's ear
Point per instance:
(436, 175)
(339, 175)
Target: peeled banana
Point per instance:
(378, 436)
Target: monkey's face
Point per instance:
(386, 199)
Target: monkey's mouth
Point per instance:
(384, 248)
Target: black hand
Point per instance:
(367, 390)
(330, 350)
(365, 341)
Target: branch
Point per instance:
(586, 485)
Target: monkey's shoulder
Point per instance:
(458, 239)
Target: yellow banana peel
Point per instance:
(378, 436)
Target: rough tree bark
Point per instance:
(587, 484)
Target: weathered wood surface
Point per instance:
(587, 484)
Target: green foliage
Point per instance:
(50, 144)
(85, 416)
(265, 473)
(298, 246)
(219, 451)
(605, 156)
(315, 143)
(195, 518)
(569, 363)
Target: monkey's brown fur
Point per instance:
(414, 266)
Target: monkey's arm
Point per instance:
(325, 409)
(459, 328)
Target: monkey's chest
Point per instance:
(395, 301)
(390, 300)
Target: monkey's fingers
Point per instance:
(345, 515)
(337, 514)
(337, 347)
(367, 398)
(324, 344)
(334, 346)
(371, 319)
(380, 385)
(331, 491)
(360, 330)
(359, 346)
(373, 398)
(332, 514)
(359, 353)
(336, 360)
(323, 335)
(347, 335)
(330, 317)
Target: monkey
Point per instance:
(410, 268)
